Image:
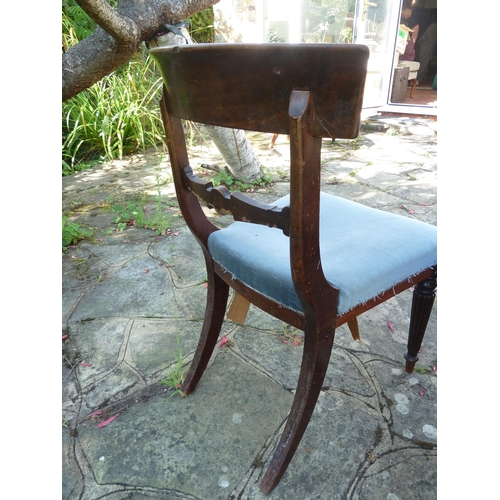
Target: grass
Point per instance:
(133, 214)
(347, 144)
(115, 117)
(292, 335)
(176, 374)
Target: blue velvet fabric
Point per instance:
(364, 252)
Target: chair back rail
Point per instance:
(241, 207)
(208, 83)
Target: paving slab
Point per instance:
(133, 306)
(201, 445)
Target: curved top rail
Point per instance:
(248, 86)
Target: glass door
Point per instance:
(369, 22)
(375, 25)
(327, 21)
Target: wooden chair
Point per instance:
(313, 260)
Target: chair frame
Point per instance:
(299, 221)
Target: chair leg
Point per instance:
(423, 300)
(317, 350)
(239, 309)
(354, 329)
(273, 140)
(217, 295)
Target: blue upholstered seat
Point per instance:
(364, 251)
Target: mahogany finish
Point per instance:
(241, 207)
(254, 95)
(306, 91)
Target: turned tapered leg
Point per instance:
(317, 350)
(217, 295)
(423, 300)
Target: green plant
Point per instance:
(327, 20)
(76, 24)
(161, 222)
(176, 373)
(421, 370)
(134, 214)
(346, 35)
(202, 27)
(73, 232)
(224, 178)
(292, 336)
(272, 36)
(192, 132)
(116, 116)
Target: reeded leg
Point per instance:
(317, 350)
(217, 296)
(423, 300)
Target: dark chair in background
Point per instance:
(313, 260)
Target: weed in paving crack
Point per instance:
(176, 373)
(73, 232)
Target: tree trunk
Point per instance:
(237, 152)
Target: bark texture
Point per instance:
(237, 152)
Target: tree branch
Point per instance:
(118, 37)
(119, 27)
